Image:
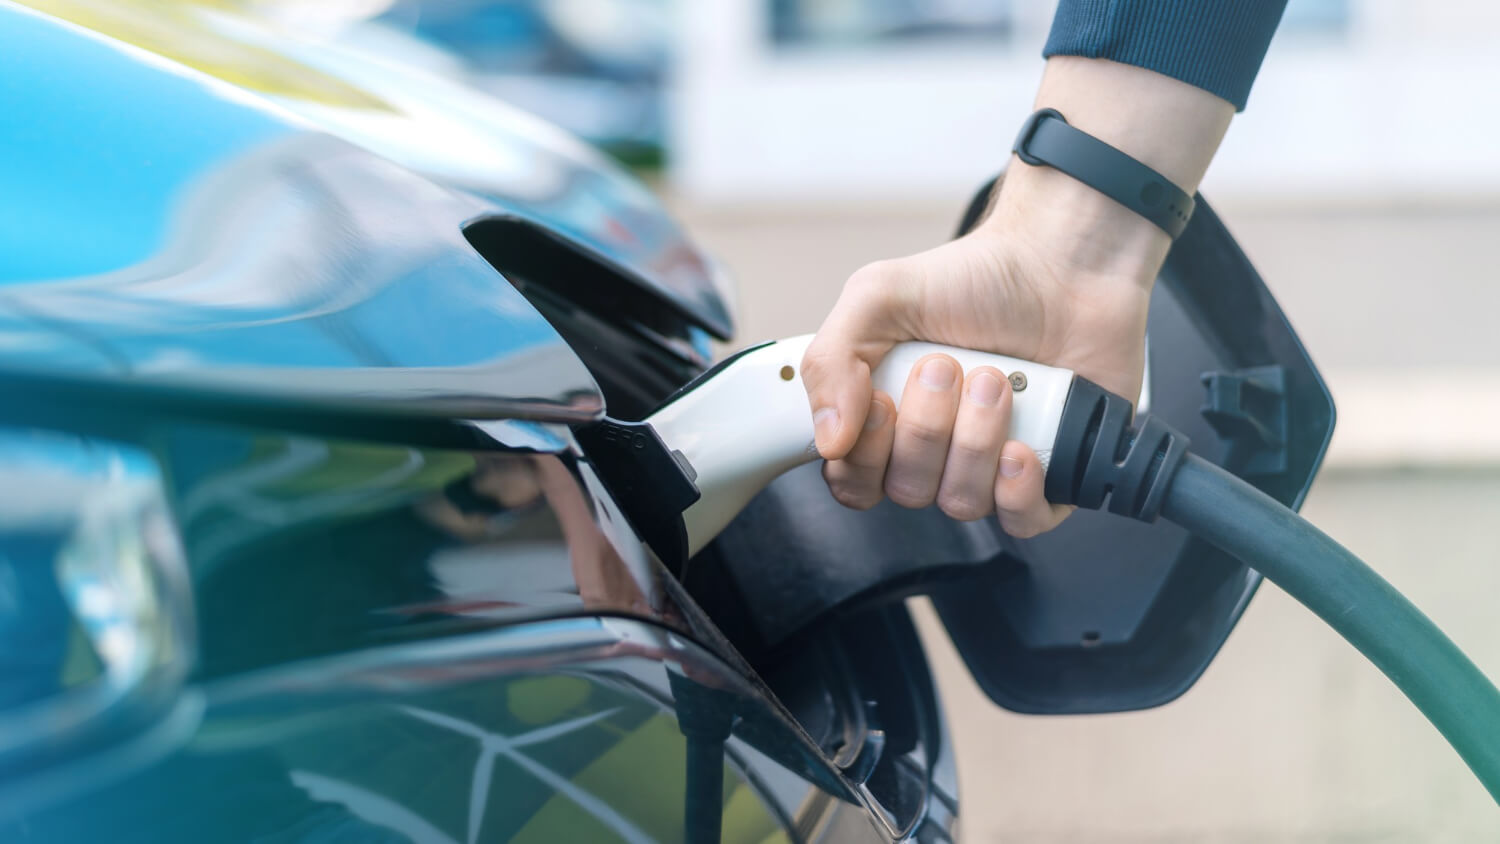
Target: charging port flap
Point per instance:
(1105, 613)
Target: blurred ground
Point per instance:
(1290, 736)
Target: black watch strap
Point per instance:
(1047, 139)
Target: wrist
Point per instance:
(1169, 126)
(1085, 236)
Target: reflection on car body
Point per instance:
(379, 592)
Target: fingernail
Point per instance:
(1010, 467)
(877, 417)
(937, 374)
(826, 423)
(984, 389)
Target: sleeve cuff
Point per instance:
(1216, 45)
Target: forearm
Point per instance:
(1168, 125)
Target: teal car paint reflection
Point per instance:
(226, 248)
(97, 629)
(419, 659)
(236, 306)
(98, 147)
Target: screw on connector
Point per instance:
(1018, 381)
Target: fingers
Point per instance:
(1024, 511)
(947, 444)
(836, 367)
(967, 490)
(858, 480)
(924, 427)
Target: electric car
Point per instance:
(329, 515)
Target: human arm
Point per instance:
(1056, 273)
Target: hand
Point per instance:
(991, 290)
(1057, 273)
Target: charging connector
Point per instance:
(1100, 459)
(1142, 469)
(748, 422)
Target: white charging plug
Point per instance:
(747, 423)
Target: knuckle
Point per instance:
(962, 507)
(838, 473)
(846, 488)
(855, 500)
(928, 432)
(875, 276)
(816, 363)
(867, 462)
(969, 450)
(877, 285)
(910, 494)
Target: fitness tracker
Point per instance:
(1047, 139)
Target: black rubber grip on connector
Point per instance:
(1100, 455)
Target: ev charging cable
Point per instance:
(747, 421)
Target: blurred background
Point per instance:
(799, 139)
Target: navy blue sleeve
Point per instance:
(1216, 45)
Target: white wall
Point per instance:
(1406, 101)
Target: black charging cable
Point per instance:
(1141, 468)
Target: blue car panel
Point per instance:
(213, 244)
(323, 602)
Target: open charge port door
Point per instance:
(1104, 614)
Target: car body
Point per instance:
(298, 543)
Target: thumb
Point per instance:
(838, 390)
(836, 367)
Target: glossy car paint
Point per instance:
(394, 633)
(96, 616)
(365, 683)
(213, 245)
(402, 643)
(524, 168)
